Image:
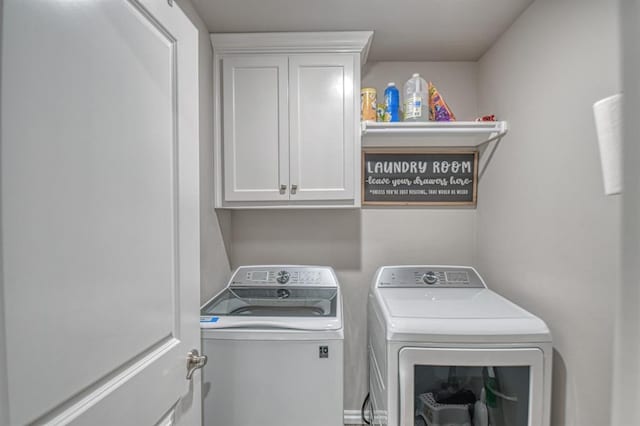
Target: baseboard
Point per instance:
(353, 417)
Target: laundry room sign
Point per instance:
(419, 177)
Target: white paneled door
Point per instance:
(99, 213)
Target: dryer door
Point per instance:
(447, 386)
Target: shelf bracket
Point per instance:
(488, 148)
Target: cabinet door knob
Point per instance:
(294, 188)
(283, 188)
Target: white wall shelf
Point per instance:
(483, 136)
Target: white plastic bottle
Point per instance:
(480, 411)
(416, 101)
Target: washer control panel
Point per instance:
(284, 275)
(429, 276)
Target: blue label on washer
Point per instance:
(209, 319)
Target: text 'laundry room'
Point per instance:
(339, 213)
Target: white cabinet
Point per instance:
(287, 119)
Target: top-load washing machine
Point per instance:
(446, 350)
(274, 339)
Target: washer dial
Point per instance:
(283, 277)
(430, 278)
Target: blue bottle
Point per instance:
(392, 102)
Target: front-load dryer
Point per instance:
(446, 350)
(274, 339)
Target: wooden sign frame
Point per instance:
(420, 151)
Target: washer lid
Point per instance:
(454, 303)
(268, 297)
(273, 302)
(270, 308)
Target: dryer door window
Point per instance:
(471, 387)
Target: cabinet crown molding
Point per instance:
(298, 42)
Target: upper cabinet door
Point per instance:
(256, 128)
(322, 127)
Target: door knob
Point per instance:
(194, 362)
(283, 188)
(294, 188)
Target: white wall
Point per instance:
(548, 238)
(626, 385)
(356, 242)
(4, 385)
(214, 226)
